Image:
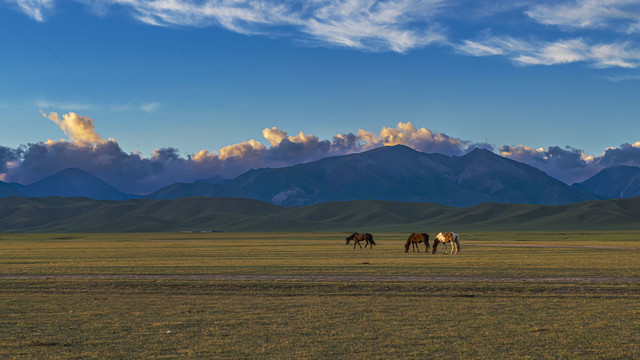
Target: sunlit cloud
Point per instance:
(135, 173)
(80, 129)
(573, 165)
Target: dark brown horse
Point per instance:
(415, 239)
(356, 237)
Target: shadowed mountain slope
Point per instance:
(7, 189)
(614, 182)
(396, 173)
(73, 182)
(55, 214)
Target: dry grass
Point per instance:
(94, 318)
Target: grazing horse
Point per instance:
(444, 238)
(415, 239)
(356, 237)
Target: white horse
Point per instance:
(444, 238)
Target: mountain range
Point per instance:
(394, 173)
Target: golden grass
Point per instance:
(130, 318)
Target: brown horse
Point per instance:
(356, 237)
(415, 239)
(444, 238)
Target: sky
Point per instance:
(146, 93)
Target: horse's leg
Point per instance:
(444, 248)
(354, 243)
(359, 244)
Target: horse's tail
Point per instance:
(458, 241)
(370, 238)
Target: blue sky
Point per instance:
(525, 78)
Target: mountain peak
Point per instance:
(74, 182)
(614, 182)
(477, 152)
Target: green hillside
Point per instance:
(56, 214)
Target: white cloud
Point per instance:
(402, 25)
(374, 25)
(619, 15)
(600, 55)
(33, 8)
(63, 105)
(621, 78)
(150, 107)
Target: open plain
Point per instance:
(307, 295)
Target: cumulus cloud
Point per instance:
(80, 129)
(422, 139)
(8, 159)
(135, 173)
(573, 165)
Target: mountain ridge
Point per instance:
(396, 173)
(393, 173)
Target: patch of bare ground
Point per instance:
(557, 246)
(311, 277)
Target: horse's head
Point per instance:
(435, 245)
(406, 246)
(350, 237)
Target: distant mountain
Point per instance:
(79, 214)
(212, 180)
(396, 173)
(73, 182)
(7, 190)
(508, 181)
(614, 182)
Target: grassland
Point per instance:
(77, 215)
(152, 296)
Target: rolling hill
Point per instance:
(77, 214)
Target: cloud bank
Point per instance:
(602, 34)
(135, 173)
